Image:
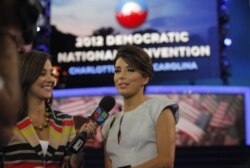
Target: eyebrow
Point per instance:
(46, 69)
(128, 66)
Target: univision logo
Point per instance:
(131, 13)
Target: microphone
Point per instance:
(99, 115)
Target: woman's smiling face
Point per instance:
(43, 86)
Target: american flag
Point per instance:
(220, 117)
(190, 129)
(78, 106)
(210, 103)
(188, 112)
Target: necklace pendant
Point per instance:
(35, 126)
(40, 128)
(45, 125)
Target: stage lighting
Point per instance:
(43, 28)
(38, 28)
(227, 41)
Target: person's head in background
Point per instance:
(133, 70)
(18, 19)
(9, 21)
(36, 77)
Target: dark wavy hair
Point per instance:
(137, 58)
(30, 67)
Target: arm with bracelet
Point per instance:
(76, 147)
(88, 130)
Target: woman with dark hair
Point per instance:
(142, 135)
(41, 135)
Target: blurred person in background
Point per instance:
(17, 28)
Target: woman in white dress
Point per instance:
(142, 135)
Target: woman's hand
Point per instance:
(90, 127)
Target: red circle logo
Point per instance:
(131, 14)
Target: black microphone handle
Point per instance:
(78, 142)
(99, 115)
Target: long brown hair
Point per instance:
(30, 68)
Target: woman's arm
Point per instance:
(77, 160)
(107, 161)
(165, 142)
